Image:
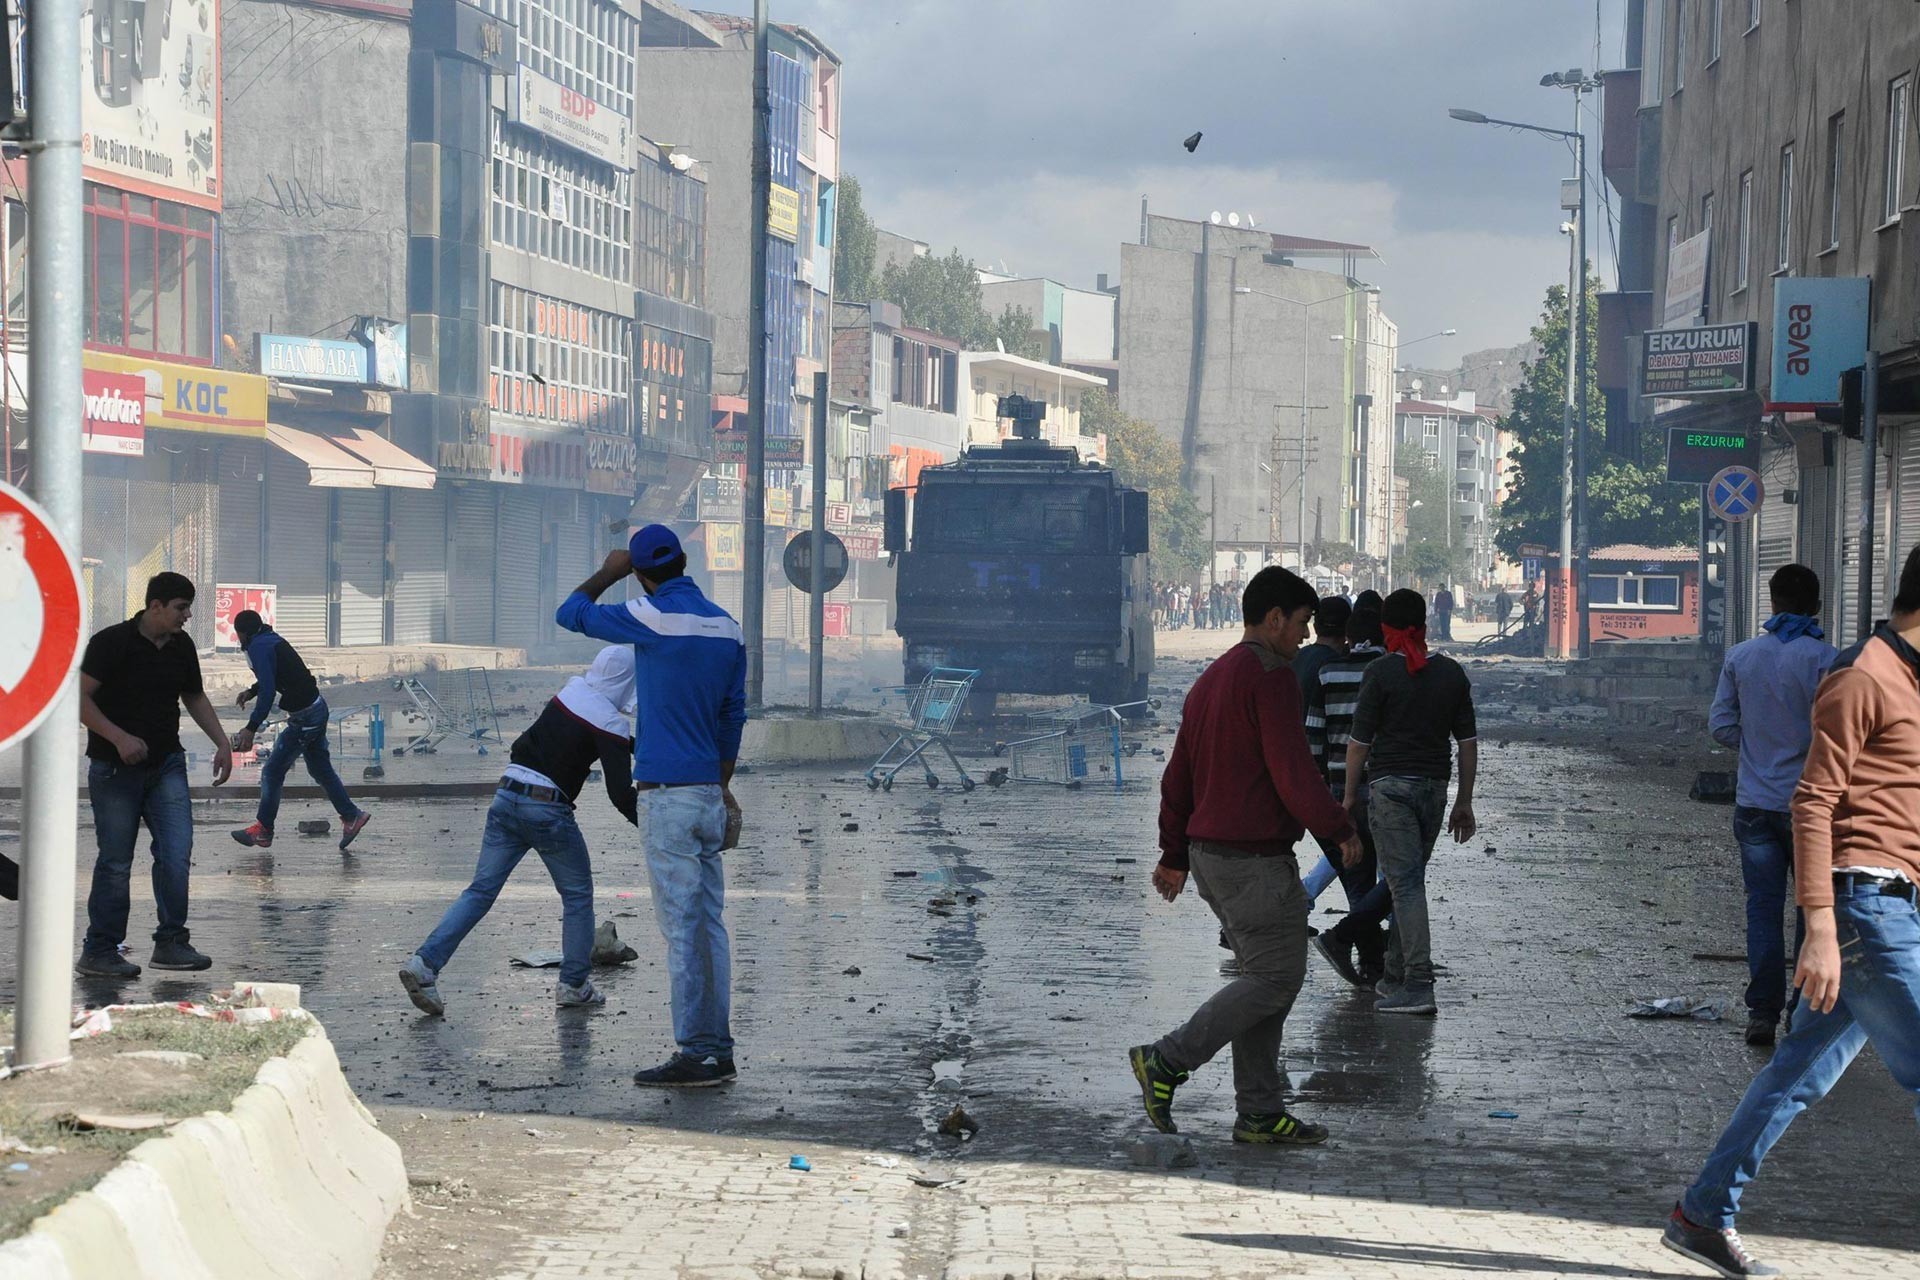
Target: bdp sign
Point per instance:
(1706, 360)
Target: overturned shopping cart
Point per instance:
(1073, 737)
(455, 704)
(933, 709)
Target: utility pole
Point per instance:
(50, 816)
(1563, 644)
(753, 485)
(817, 601)
(1300, 499)
(1578, 318)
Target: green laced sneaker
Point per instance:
(1279, 1129)
(1157, 1083)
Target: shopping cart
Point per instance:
(461, 706)
(933, 709)
(1061, 755)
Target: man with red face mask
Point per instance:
(1411, 702)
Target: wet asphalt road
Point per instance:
(1025, 951)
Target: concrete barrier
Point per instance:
(798, 740)
(294, 1182)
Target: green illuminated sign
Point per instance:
(1695, 457)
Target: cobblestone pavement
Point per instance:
(1594, 882)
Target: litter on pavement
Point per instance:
(1678, 1007)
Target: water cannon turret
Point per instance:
(1025, 414)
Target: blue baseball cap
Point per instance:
(653, 546)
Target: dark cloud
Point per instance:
(1332, 117)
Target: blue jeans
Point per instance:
(1879, 1001)
(123, 796)
(1407, 815)
(1766, 860)
(306, 736)
(685, 827)
(515, 824)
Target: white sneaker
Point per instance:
(420, 984)
(586, 995)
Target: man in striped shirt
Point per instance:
(1331, 694)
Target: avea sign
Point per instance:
(1819, 332)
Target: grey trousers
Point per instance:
(1263, 909)
(1406, 815)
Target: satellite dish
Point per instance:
(1214, 217)
(1233, 219)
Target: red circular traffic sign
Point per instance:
(40, 616)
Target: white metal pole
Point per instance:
(50, 816)
(817, 550)
(753, 486)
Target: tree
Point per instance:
(1430, 556)
(1627, 501)
(1144, 459)
(942, 295)
(854, 244)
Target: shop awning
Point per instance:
(328, 465)
(393, 466)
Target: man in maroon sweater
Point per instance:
(1241, 783)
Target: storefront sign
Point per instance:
(1706, 360)
(116, 420)
(576, 119)
(465, 459)
(278, 355)
(1695, 457)
(862, 546)
(782, 451)
(1819, 332)
(783, 212)
(387, 343)
(724, 547)
(839, 516)
(523, 457)
(188, 398)
(779, 508)
(230, 599)
(611, 463)
(719, 498)
(1686, 280)
(836, 620)
(151, 122)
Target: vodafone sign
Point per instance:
(40, 616)
(116, 420)
(572, 118)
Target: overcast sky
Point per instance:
(1025, 132)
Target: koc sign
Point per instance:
(174, 396)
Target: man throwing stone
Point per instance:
(690, 668)
(1237, 789)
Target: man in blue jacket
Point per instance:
(279, 672)
(690, 671)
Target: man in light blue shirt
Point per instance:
(690, 669)
(1764, 709)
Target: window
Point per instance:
(1897, 94)
(1429, 432)
(1753, 15)
(1706, 225)
(586, 45)
(1783, 236)
(1713, 31)
(1653, 54)
(1836, 136)
(1679, 45)
(1743, 233)
(554, 203)
(670, 242)
(925, 376)
(823, 215)
(557, 363)
(149, 276)
(1647, 593)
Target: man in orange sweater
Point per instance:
(1856, 855)
(1238, 789)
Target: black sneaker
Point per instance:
(1721, 1249)
(1761, 1032)
(178, 955)
(1280, 1130)
(105, 964)
(1340, 955)
(1157, 1083)
(684, 1071)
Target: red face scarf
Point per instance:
(1411, 642)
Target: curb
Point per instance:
(295, 1182)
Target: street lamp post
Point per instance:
(1573, 502)
(1393, 434)
(1306, 309)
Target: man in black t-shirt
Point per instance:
(1412, 708)
(134, 679)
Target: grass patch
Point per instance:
(99, 1080)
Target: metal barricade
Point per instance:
(459, 704)
(934, 708)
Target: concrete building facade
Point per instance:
(1081, 325)
(1789, 140)
(988, 375)
(1464, 443)
(1218, 325)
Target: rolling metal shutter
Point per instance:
(242, 471)
(574, 560)
(471, 580)
(517, 583)
(297, 551)
(1773, 529)
(360, 565)
(1906, 529)
(419, 565)
(1846, 587)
